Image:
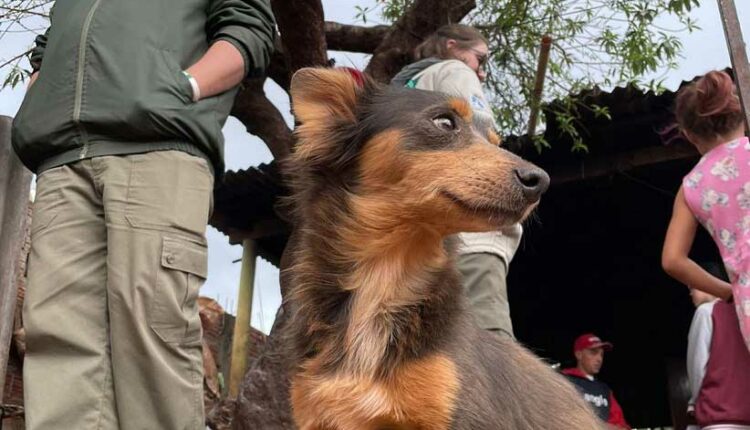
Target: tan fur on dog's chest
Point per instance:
(420, 395)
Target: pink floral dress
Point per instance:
(717, 191)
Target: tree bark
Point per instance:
(262, 119)
(278, 70)
(302, 44)
(353, 38)
(302, 32)
(264, 399)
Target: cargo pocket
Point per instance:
(173, 314)
(48, 200)
(169, 191)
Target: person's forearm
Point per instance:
(691, 274)
(220, 69)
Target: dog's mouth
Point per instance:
(493, 213)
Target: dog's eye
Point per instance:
(445, 123)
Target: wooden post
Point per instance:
(242, 322)
(536, 95)
(15, 181)
(737, 54)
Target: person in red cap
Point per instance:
(589, 352)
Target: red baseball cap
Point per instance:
(589, 341)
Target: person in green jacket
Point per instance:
(122, 126)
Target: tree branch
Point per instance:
(339, 37)
(278, 69)
(16, 58)
(302, 32)
(302, 44)
(422, 18)
(262, 119)
(353, 38)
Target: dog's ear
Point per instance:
(324, 103)
(323, 96)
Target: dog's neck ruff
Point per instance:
(389, 271)
(389, 286)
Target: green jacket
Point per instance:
(110, 78)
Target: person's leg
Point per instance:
(67, 368)
(157, 207)
(484, 279)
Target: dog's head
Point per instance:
(418, 155)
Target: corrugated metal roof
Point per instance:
(248, 198)
(639, 118)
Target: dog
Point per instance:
(380, 177)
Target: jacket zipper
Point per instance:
(79, 79)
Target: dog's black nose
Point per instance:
(534, 182)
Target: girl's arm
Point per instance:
(677, 244)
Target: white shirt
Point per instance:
(699, 346)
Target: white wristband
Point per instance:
(193, 85)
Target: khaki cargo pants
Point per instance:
(118, 254)
(484, 280)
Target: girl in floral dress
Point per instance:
(716, 193)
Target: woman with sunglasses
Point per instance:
(452, 61)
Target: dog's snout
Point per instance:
(533, 181)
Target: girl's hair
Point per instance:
(709, 107)
(436, 45)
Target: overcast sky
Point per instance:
(703, 51)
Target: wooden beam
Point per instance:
(737, 53)
(594, 167)
(240, 338)
(541, 72)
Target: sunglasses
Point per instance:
(482, 57)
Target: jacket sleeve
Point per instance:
(616, 417)
(37, 52)
(40, 44)
(248, 25)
